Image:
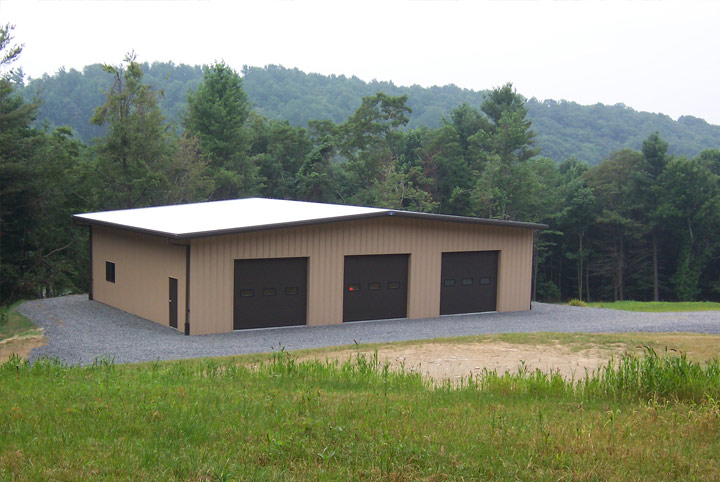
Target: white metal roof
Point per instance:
(184, 220)
(212, 218)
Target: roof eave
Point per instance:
(470, 220)
(82, 221)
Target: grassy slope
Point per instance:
(659, 306)
(219, 419)
(17, 325)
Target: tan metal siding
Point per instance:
(143, 265)
(326, 245)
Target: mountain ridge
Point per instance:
(564, 128)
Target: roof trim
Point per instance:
(82, 221)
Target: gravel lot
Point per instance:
(79, 330)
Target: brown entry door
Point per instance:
(469, 282)
(173, 303)
(270, 292)
(375, 287)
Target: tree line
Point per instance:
(563, 128)
(642, 224)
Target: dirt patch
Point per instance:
(21, 346)
(452, 361)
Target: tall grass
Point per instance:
(652, 377)
(648, 377)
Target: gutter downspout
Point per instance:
(187, 289)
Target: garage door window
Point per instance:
(484, 281)
(449, 282)
(467, 281)
(269, 291)
(374, 286)
(394, 285)
(247, 293)
(354, 287)
(291, 290)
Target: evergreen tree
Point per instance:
(131, 155)
(655, 158)
(217, 114)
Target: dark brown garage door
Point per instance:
(375, 287)
(469, 282)
(270, 292)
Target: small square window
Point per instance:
(354, 287)
(449, 282)
(269, 291)
(374, 286)
(291, 290)
(110, 271)
(467, 281)
(394, 285)
(484, 281)
(247, 293)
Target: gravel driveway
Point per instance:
(79, 330)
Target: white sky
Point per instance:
(652, 55)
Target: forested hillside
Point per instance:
(564, 129)
(642, 224)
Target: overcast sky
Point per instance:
(656, 56)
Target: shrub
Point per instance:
(576, 302)
(548, 291)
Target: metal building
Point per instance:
(220, 266)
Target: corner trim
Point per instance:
(90, 269)
(187, 289)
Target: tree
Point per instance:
(369, 143)
(575, 216)
(278, 150)
(612, 184)
(655, 158)
(187, 172)
(445, 166)
(318, 178)
(216, 115)
(691, 204)
(40, 254)
(501, 148)
(466, 121)
(131, 156)
(8, 53)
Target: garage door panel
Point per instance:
(270, 292)
(469, 282)
(375, 287)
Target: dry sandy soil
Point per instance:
(437, 360)
(453, 361)
(20, 346)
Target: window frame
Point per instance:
(110, 271)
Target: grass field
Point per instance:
(273, 418)
(659, 306)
